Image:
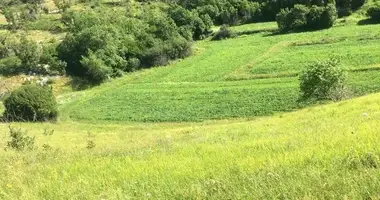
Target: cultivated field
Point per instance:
(252, 75)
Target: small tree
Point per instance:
(322, 79)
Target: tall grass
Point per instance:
(328, 152)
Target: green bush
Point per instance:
(374, 13)
(303, 18)
(120, 43)
(322, 80)
(30, 103)
(224, 33)
(10, 65)
(321, 17)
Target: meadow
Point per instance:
(324, 152)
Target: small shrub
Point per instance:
(320, 80)
(19, 140)
(31, 103)
(224, 33)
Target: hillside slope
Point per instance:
(325, 152)
(252, 75)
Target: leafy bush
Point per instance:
(10, 65)
(321, 17)
(374, 13)
(224, 33)
(19, 140)
(30, 103)
(292, 19)
(320, 80)
(198, 25)
(303, 18)
(103, 44)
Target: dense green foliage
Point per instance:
(303, 18)
(320, 80)
(103, 44)
(21, 55)
(30, 103)
(245, 11)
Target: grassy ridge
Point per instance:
(321, 152)
(252, 75)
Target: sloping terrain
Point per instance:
(325, 152)
(252, 75)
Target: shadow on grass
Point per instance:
(277, 32)
(79, 84)
(252, 32)
(368, 21)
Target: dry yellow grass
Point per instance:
(2, 19)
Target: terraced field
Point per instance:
(252, 75)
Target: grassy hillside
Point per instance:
(326, 152)
(252, 75)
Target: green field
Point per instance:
(252, 75)
(224, 123)
(327, 152)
